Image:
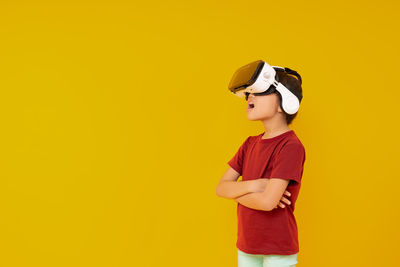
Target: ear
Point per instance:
(278, 104)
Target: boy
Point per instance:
(271, 165)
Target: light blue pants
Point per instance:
(259, 260)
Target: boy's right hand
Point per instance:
(261, 184)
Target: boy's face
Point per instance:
(265, 106)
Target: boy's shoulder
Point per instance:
(292, 141)
(293, 138)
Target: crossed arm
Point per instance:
(259, 194)
(266, 200)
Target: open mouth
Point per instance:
(251, 106)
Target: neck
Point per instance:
(275, 126)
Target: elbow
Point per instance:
(221, 192)
(218, 191)
(268, 205)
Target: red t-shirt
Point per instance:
(275, 231)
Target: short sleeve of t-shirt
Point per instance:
(288, 164)
(237, 161)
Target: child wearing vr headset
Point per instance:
(271, 166)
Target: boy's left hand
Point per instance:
(285, 200)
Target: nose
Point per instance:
(249, 95)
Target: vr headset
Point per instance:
(259, 78)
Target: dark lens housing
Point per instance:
(245, 75)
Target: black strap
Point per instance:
(290, 71)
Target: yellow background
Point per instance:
(117, 124)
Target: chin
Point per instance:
(253, 118)
(257, 117)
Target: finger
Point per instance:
(281, 205)
(287, 193)
(287, 201)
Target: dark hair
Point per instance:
(294, 85)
